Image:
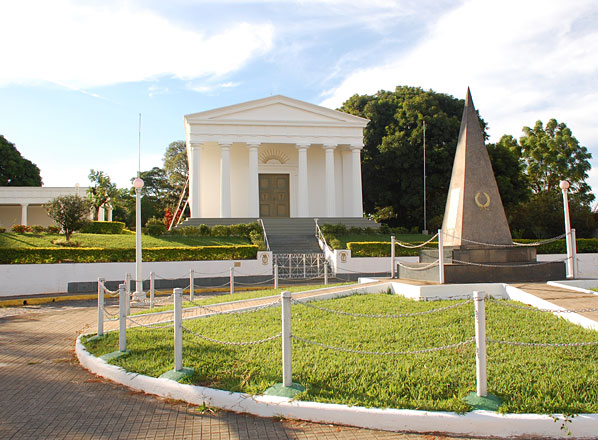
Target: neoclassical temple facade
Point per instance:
(274, 157)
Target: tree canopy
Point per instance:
(15, 170)
(102, 191)
(70, 212)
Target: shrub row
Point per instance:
(240, 230)
(382, 248)
(36, 229)
(101, 255)
(103, 228)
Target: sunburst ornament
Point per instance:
(274, 156)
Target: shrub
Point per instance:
(204, 230)
(20, 229)
(38, 229)
(53, 229)
(335, 243)
(155, 227)
(70, 212)
(2, 229)
(99, 255)
(96, 227)
(258, 240)
(221, 231)
(63, 242)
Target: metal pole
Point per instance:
(392, 256)
(139, 294)
(178, 329)
(440, 257)
(425, 231)
(325, 273)
(128, 294)
(101, 306)
(287, 370)
(574, 252)
(122, 309)
(152, 289)
(564, 185)
(480, 342)
(276, 276)
(191, 286)
(232, 280)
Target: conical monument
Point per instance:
(478, 246)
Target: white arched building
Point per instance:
(274, 157)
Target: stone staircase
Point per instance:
(292, 235)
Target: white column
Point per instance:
(102, 214)
(109, 212)
(194, 175)
(357, 210)
(330, 187)
(24, 213)
(302, 188)
(225, 180)
(253, 190)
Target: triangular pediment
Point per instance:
(276, 109)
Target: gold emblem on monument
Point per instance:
(481, 195)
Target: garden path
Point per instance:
(566, 298)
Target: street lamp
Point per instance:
(564, 185)
(139, 294)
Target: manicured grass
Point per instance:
(527, 379)
(125, 241)
(237, 296)
(344, 239)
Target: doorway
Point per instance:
(274, 195)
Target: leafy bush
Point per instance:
(96, 227)
(20, 229)
(221, 231)
(258, 240)
(65, 243)
(100, 255)
(240, 230)
(70, 212)
(38, 229)
(2, 229)
(155, 227)
(53, 229)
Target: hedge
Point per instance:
(103, 228)
(102, 255)
(382, 248)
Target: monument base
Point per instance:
(483, 265)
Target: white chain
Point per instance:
(385, 353)
(540, 344)
(505, 245)
(435, 263)
(534, 309)
(215, 312)
(364, 315)
(260, 341)
(405, 245)
(540, 243)
(269, 280)
(151, 326)
(110, 315)
(507, 265)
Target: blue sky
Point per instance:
(76, 74)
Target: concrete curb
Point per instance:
(476, 423)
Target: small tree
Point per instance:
(70, 212)
(102, 191)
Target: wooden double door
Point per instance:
(274, 195)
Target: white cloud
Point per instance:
(86, 45)
(208, 88)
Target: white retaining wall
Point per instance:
(31, 279)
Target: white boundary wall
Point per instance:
(31, 279)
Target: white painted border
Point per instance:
(476, 423)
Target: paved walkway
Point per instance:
(566, 298)
(45, 394)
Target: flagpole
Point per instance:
(425, 231)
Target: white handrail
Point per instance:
(265, 235)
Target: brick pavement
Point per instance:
(45, 394)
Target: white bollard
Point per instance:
(287, 369)
(325, 273)
(480, 342)
(122, 308)
(392, 256)
(128, 296)
(232, 280)
(152, 289)
(178, 329)
(440, 257)
(276, 276)
(191, 285)
(574, 252)
(101, 306)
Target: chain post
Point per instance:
(287, 369)
(178, 329)
(191, 285)
(152, 288)
(326, 273)
(128, 294)
(101, 306)
(480, 342)
(574, 252)
(232, 280)
(122, 309)
(276, 276)
(440, 257)
(392, 256)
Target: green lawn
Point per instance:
(542, 380)
(344, 239)
(12, 240)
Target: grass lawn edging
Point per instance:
(480, 423)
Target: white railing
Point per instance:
(259, 220)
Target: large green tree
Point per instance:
(552, 154)
(70, 212)
(15, 170)
(176, 166)
(101, 191)
(392, 161)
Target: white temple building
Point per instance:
(274, 157)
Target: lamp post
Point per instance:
(425, 230)
(564, 185)
(139, 294)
